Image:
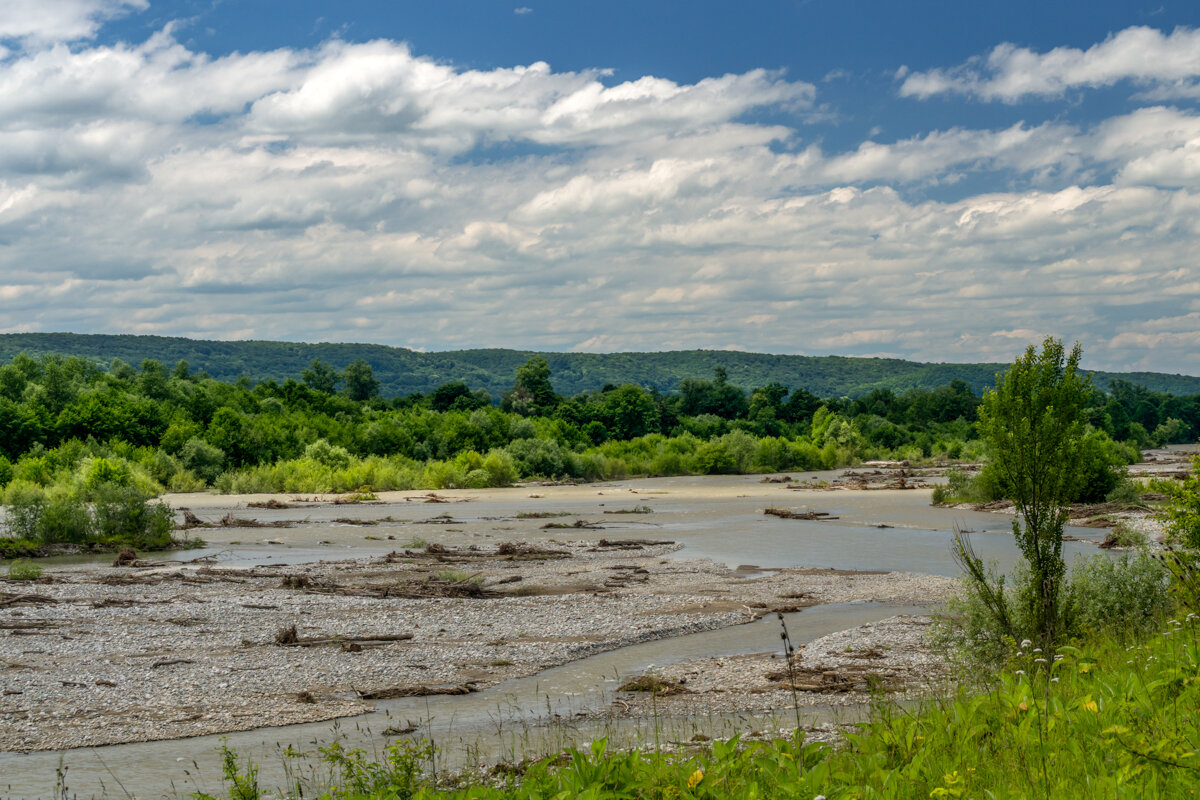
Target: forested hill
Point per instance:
(401, 371)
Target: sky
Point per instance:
(927, 180)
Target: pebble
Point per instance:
(201, 622)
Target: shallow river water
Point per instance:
(717, 518)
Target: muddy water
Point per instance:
(713, 517)
(538, 714)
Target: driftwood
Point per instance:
(830, 681)
(527, 550)
(190, 521)
(291, 640)
(783, 513)
(663, 687)
(417, 691)
(7, 599)
(126, 558)
(272, 503)
(631, 544)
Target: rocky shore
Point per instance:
(846, 668)
(104, 654)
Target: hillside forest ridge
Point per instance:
(402, 372)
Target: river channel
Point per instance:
(717, 518)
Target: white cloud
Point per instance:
(361, 192)
(1170, 63)
(38, 21)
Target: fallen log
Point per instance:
(7, 599)
(417, 691)
(783, 513)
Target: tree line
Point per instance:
(177, 429)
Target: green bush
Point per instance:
(1182, 511)
(123, 514)
(202, 459)
(64, 520)
(1122, 597)
(22, 569)
(330, 455)
(1125, 492)
(25, 502)
(1105, 596)
(106, 472)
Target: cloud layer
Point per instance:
(1167, 62)
(359, 192)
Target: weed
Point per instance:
(1124, 535)
(455, 576)
(22, 569)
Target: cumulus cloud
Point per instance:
(36, 21)
(1168, 62)
(357, 191)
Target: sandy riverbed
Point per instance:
(101, 654)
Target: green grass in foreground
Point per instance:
(1103, 720)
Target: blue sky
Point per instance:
(930, 180)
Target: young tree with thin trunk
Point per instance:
(1033, 423)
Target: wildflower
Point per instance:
(1025, 643)
(1023, 706)
(1090, 705)
(1054, 680)
(1037, 649)
(1019, 672)
(1039, 661)
(695, 778)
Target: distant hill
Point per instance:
(401, 371)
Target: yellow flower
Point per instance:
(695, 778)
(1085, 667)
(1024, 706)
(1090, 705)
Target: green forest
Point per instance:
(82, 447)
(402, 372)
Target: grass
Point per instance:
(22, 569)
(1124, 535)
(455, 576)
(12, 547)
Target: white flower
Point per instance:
(1025, 643)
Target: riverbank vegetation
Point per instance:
(78, 440)
(178, 430)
